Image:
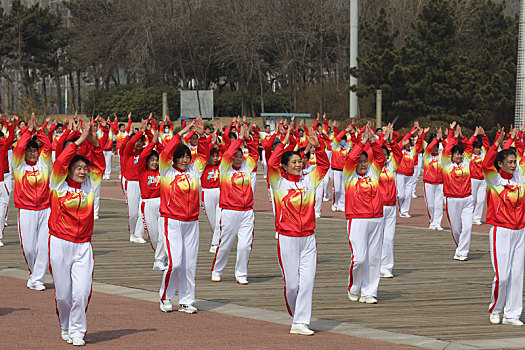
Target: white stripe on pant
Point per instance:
(434, 201)
(234, 223)
(479, 192)
(4, 204)
(108, 155)
(507, 252)
(210, 198)
(182, 245)
(459, 212)
(404, 193)
(298, 261)
(339, 191)
(133, 197)
(150, 211)
(365, 238)
(71, 265)
(389, 231)
(34, 232)
(417, 171)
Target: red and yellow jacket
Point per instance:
(179, 189)
(149, 180)
(387, 183)
(131, 158)
(409, 161)
(295, 195)
(432, 171)
(476, 170)
(32, 179)
(505, 192)
(72, 203)
(456, 177)
(236, 189)
(339, 152)
(122, 135)
(362, 197)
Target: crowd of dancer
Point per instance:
(58, 170)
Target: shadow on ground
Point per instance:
(102, 336)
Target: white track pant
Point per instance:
(507, 252)
(33, 230)
(182, 246)
(4, 205)
(434, 201)
(339, 191)
(264, 163)
(210, 198)
(8, 180)
(298, 261)
(389, 230)
(415, 177)
(365, 239)
(329, 176)
(150, 210)
(71, 265)
(319, 198)
(108, 155)
(479, 192)
(96, 204)
(404, 193)
(133, 197)
(239, 224)
(459, 213)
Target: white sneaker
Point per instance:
(5, 224)
(213, 248)
(189, 309)
(242, 280)
(215, 278)
(432, 227)
(512, 321)
(78, 342)
(134, 239)
(166, 306)
(1, 244)
(334, 208)
(387, 275)
(301, 328)
(38, 287)
(96, 217)
(439, 228)
(476, 223)
(368, 299)
(159, 266)
(317, 215)
(353, 297)
(414, 196)
(495, 318)
(64, 334)
(405, 216)
(326, 199)
(276, 235)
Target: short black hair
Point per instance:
(387, 150)
(77, 158)
(457, 149)
(285, 158)
(32, 144)
(181, 151)
(153, 153)
(214, 150)
(232, 135)
(121, 125)
(477, 144)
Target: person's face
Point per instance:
(207, 130)
(294, 166)
(435, 149)
(149, 127)
(237, 161)
(122, 128)
(22, 125)
(31, 154)
(153, 163)
(233, 129)
(139, 145)
(214, 159)
(319, 128)
(457, 157)
(78, 171)
(362, 165)
(268, 129)
(477, 151)
(385, 153)
(509, 164)
(194, 140)
(301, 133)
(60, 129)
(183, 162)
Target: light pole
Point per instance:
(354, 19)
(519, 112)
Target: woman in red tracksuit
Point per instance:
(210, 183)
(179, 217)
(504, 172)
(73, 182)
(296, 247)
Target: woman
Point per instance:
(73, 183)
(457, 189)
(296, 247)
(433, 182)
(364, 212)
(236, 203)
(149, 182)
(505, 177)
(179, 221)
(211, 192)
(479, 186)
(31, 166)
